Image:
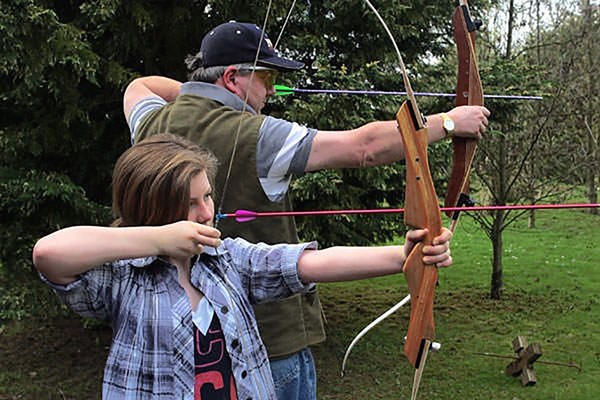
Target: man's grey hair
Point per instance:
(196, 72)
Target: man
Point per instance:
(220, 109)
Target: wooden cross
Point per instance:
(526, 356)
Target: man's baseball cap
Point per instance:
(237, 43)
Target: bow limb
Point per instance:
(421, 211)
(374, 323)
(469, 91)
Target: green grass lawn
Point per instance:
(551, 296)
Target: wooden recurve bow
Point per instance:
(421, 203)
(469, 91)
(421, 211)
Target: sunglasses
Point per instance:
(266, 76)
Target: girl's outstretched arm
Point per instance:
(352, 263)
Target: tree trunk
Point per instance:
(498, 223)
(501, 185)
(591, 176)
(531, 222)
(511, 22)
(538, 19)
(496, 284)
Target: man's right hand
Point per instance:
(469, 121)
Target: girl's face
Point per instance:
(202, 208)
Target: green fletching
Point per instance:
(281, 90)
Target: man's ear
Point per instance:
(229, 79)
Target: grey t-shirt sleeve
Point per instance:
(282, 151)
(141, 110)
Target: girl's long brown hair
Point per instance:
(151, 180)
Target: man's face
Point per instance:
(255, 86)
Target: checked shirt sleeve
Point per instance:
(268, 271)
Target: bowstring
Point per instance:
(245, 105)
(407, 85)
(239, 127)
(287, 18)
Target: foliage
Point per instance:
(568, 53)
(33, 203)
(45, 68)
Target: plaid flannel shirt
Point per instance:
(151, 356)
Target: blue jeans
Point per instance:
(295, 377)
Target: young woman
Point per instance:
(177, 297)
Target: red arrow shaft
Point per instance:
(401, 210)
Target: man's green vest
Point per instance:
(286, 325)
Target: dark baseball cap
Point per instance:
(237, 42)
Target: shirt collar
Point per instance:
(215, 251)
(138, 262)
(216, 93)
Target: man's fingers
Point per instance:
(444, 237)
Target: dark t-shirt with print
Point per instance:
(213, 375)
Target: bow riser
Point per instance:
(421, 211)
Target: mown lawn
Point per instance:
(551, 296)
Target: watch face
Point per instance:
(449, 125)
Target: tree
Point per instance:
(531, 154)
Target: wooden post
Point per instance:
(523, 365)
